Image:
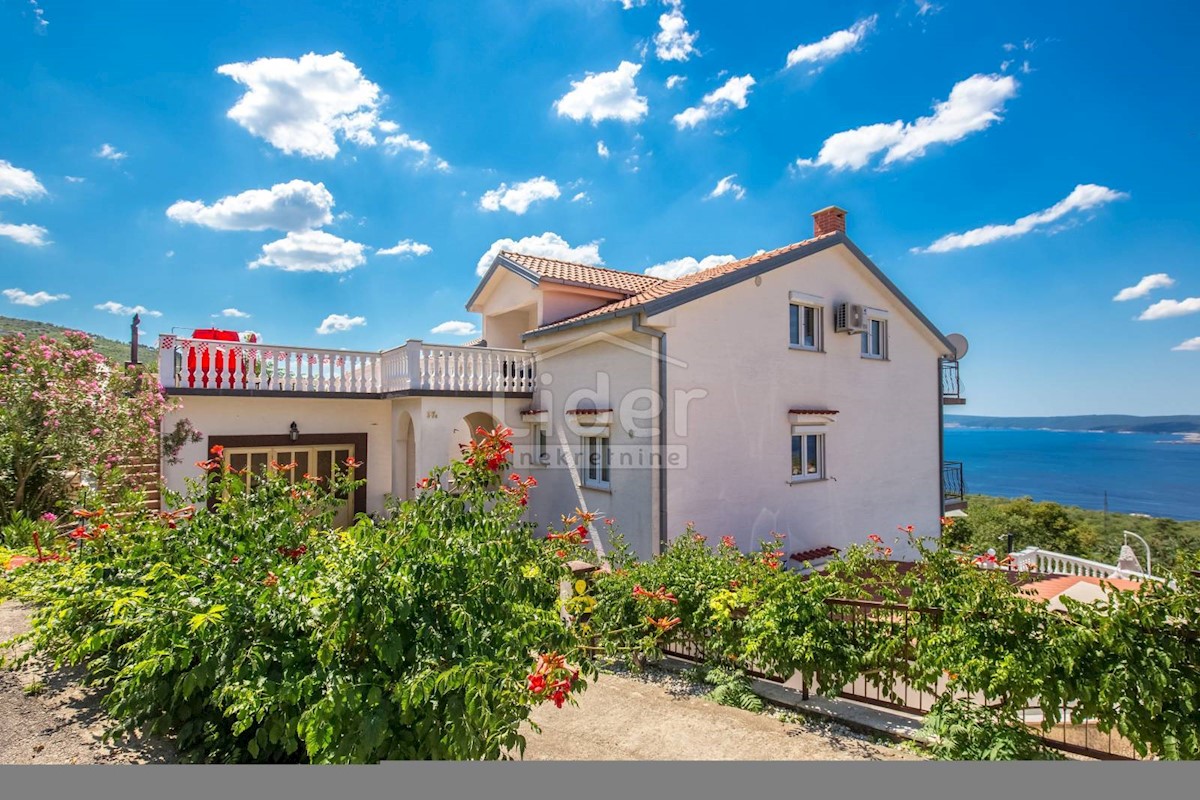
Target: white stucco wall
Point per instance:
(438, 427)
(604, 371)
(882, 452)
(241, 416)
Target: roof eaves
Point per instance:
(576, 322)
(903, 298)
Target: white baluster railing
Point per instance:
(1047, 561)
(188, 363)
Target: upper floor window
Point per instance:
(805, 322)
(875, 340)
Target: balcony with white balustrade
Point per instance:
(210, 367)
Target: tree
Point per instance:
(68, 412)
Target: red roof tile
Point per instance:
(1053, 585)
(664, 288)
(615, 280)
(814, 553)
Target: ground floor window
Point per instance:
(596, 461)
(808, 455)
(320, 455)
(541, 444)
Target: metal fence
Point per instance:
(889, 687)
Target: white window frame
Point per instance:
(797, 309)
(805, 434)
(596, 475)
(875, 321)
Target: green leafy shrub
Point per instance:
(942, 626)
(251, 630)
(962, 731)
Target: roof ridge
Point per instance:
(730, 266)
(581, 264)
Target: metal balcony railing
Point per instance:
(954, 488)
(951, 384)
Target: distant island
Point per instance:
(1103, 423)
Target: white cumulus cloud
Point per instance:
(122, 310)
(402, 141)
(339, 323)
(727, 186)
(601, 149)
(1145, 286)
(674, 42)
(1165, 309)
(675, 80)
(109, 152)
(833, 45)
(1083, 197)
(547, 245)
(311, 251)
(406, 247)
(294, 206)
(974, 104)
(605, 95)
(235, 313)
(732, 94)
(456, 327)
(309, 105)
(33, 235)
(677, 268)
(1191, 345)
(520, 196)
(18, 183)
(20, 298)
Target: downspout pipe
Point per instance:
(661, 391)
(941, 467)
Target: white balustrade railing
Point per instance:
(1062, 564)
(414, 366)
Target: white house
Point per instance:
(797, 391)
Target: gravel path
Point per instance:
(63, 723)
(657, 715)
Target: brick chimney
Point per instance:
(828, 220)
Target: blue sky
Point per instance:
(134, 131)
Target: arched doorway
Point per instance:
(464, 431)
(406, 456)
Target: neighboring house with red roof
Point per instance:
(791, 392)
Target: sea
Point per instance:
(1143, 473)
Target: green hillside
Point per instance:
(110, 348)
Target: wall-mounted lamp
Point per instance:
(293, 432)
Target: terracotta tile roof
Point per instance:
(811, 411)
(814, 553)
(1052, 586)
(661, 288)
(627, 283)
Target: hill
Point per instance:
(1107, 423)
(109, 348)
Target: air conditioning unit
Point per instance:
(849, 318)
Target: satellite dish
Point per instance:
(960, 344)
